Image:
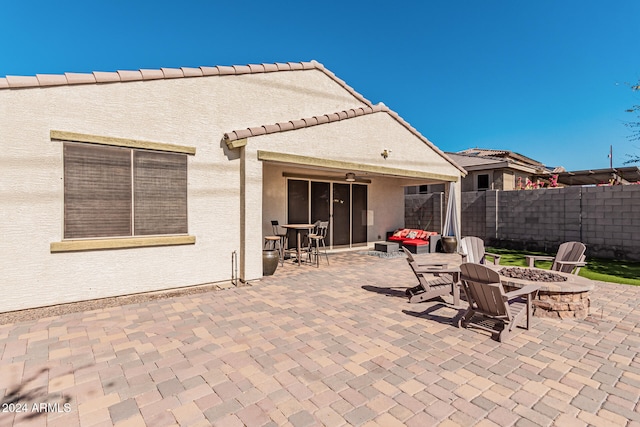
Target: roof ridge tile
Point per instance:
(106, 76)
(172, 73)
(210, 71)
(129, 75)
(80, 78)
(225, 70)
(269, 68)
(191, 72)
(152, 74)
(241, 69)
(22, 81)
(120, 76)
(51, 79)
(256, 68)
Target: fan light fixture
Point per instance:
(350, 177)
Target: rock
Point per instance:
(531, 274)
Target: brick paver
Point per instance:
(335, 345)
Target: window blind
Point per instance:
(122, 192)
(160, 193)
(97, 191)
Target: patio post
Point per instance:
(250, 214)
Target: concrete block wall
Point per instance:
(473, 214)
(606, 219)
(424, 211)
(611, 220)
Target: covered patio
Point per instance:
(333, 346)
(349, 168)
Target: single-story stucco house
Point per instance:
(124, 182)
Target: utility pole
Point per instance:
(611, 157)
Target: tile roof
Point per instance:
(477, 158)
(302, 123)
(47, 80)
(500, 154)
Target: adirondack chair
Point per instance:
(428, 265)
(569, 258)
(472, 250)
(489, 303)
(444, 282)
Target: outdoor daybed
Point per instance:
(416, 241)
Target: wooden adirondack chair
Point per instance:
(472, 249)
(428, 265)
(569, 258)
(489, 303)
(444, 282)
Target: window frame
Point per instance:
(488, 177)
(132, 240)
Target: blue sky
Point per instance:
(544, 78)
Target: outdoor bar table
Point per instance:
(298, 228)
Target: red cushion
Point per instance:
(415, 242)
(400, 235)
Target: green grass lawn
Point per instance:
(605, 270)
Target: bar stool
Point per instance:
(315, 239)
(284, 239)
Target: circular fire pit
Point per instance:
(531, 274)
(561, 295)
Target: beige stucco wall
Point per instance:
(188, 111)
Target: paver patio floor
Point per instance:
(335, 345)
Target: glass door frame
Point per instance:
(330, 233)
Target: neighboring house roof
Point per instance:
(48, 80)
(474, 162)
(501, 154)
(624, 175)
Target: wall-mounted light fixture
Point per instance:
(350, 177)
(385, 153)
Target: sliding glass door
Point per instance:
(341, 214)
(358, 214)
(344, 205)
(321, 205)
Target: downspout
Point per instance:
(496, 216)
(243, 215)
(580, 216)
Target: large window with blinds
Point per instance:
(123, 192)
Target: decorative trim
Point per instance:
(124, 243)
(58, 135)
(232, 144)
(270, 156)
